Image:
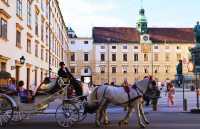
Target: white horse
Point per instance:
(105, 94)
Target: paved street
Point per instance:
(158, 121)
(165, 118)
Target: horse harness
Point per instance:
(138, 91)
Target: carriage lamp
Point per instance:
(22, 60)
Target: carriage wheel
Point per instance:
(81, 106)
(18, 116)
(6, 111)
(66, 115)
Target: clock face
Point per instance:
(145, 38)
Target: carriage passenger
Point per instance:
(25, 95)
(12, 86)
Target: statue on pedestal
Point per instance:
(197, 32)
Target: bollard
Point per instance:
(185, 107)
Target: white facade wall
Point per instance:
(79, 48)
(9, 49)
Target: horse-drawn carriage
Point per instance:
(13, 109)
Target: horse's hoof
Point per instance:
(120, 123)
(106, 122)
(142, 126)
(98, 125)
(147, 122)
(125, 122)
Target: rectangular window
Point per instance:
(85, 56)
(167, 69)
(145, 57)
(125, 69)
(136, 57)
(178, 56)
(42, 53)
(3, 66)
(178, 47)
(102, 47)
(36, 24)
(102, 57)
(156, 57)
(125, 47)
(42, 31)
(47, 54)
(125, 57)
(113, 57)
(19, 8)
(113, 47)
(29, 13)
(72, 42)
(47, 35)
(47, 10)
(85, 42)
(73, 57)
(102, 69)
(167, 58)
(36, 49)
(72, 69)
(18, 38)
(146, 70)
(114, 70)
(135, 47)
(3, 28)
(136, 70)
(156, 47)
(28, 46)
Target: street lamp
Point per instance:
(22, 60)
(50, 70)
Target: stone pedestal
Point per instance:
(195, 52)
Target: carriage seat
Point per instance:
(7, 91)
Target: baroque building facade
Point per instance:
(32, 30)
(81, 57)
(132, 53)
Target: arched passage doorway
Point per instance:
(86, 75)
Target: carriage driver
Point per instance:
(66, 75)
(64, 72)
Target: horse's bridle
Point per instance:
(137, 88)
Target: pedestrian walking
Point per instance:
(155, 97)
(171, 94)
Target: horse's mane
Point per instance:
(142, 82)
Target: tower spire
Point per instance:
(142, 21)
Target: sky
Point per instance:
(83, 15)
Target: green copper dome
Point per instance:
(142, 22)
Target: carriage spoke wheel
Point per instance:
(66, 115)
(81, 106)
(18, 116)
(6, 111)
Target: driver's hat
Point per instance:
(61, 63)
